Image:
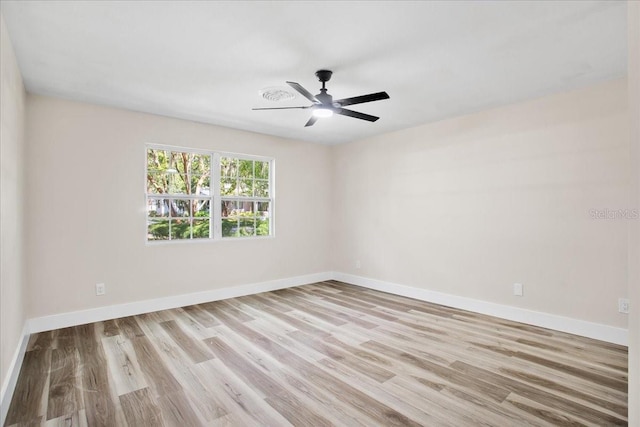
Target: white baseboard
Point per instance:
(551, 321)
(9, 384)
(63, 320)
(559, 323)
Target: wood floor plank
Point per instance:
(140, 410)
(618, 408)
(293, 321)
(545, 398)
(281, 296)
(228, 305)
(110, 328)
(200, 316)
(182, 368)
(129, 327)
(64, 396)
(348, 319)
(65, 338)
(40, 341)
(123, 365)
(26, 403)
(295, 413)
(34, 422)
(354, 304)
(242, 368)
(98, 401)
(77, 419)
(190, 346)
(544, 413)
(619, 383)
(326, 353)
(236, 396)
(177, 411)
(335, 353)
(155, 371)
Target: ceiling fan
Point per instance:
(324, 105)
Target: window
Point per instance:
(194, 194)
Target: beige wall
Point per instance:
(12, 286)
(634, 229)
(86, 217)
(468, 206)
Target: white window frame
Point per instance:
(215, 197)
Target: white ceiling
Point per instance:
(206, 61)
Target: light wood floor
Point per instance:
(317, 355)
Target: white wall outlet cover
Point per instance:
(623, 305)
(518, 289)
(101, 289)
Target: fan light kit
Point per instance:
(322, 112)
(324, 105)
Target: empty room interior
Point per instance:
(320, 213)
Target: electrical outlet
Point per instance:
(358, 265)
(623, 305)
(101, 289)
(517, 289)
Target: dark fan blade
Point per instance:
(281, 108)
(311, 121)
(303, 92)
(355, 114)
(363, 98)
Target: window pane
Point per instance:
(228, 167)
(157, 160)
(229, 227)
(262, 226)
(201, 208)
(158, 207)
(200, 228)
(228, 208)
(157, 182)
(200, 164)
(229, 218)
(181, 207)
(245, 168)
(247, 227)
(261, 188)
(262, 170)
(245, 209)
(200, 184)
(176, 163)
(228, 186)
(262, 209)
(262, 219)
(158, 229)
(245, 187)
(180, 229)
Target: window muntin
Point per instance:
(182, 204)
